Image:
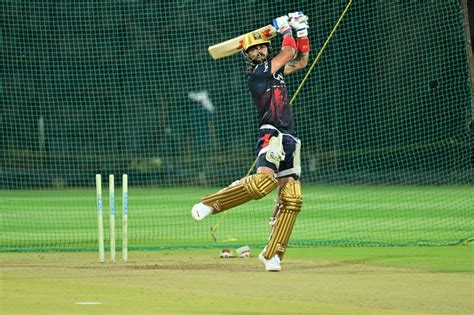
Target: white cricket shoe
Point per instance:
(200, 211)
(272, 264)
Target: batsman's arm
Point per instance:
(288, 45)
(285, 56)
(299, 23)
(300, 62)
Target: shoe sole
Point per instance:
(277, 269)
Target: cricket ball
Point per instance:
(225, 253)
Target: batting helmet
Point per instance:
(254, 38)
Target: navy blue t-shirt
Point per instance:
(270, 95)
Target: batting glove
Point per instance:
(298, 21)
(281, 25)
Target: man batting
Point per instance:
(278, 161)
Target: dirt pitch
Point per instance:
(313, 281)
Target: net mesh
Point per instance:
(128, 87)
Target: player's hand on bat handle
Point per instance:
(299, 22)
(281, 25)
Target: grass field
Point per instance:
(66, 219)
(56, 269)
(393, 280)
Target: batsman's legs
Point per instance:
(290, 203)
(252, 187)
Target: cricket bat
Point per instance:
(234, 45)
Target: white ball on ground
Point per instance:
(225, 253)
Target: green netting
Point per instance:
(116, 87)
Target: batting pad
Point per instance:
(290, 205)
(252, 187)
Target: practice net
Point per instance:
(128, 87)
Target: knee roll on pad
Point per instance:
(291, 202)
(252, 187)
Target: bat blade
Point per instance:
(234, 45)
